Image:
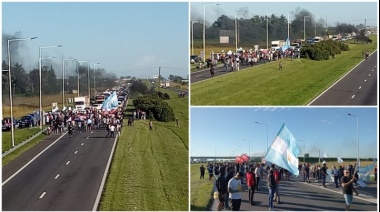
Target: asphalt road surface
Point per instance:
(296, 195)
(204, 74)
(358, 87)
(65, 177)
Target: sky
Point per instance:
(126, 38)
(342, 12)
(233, 131)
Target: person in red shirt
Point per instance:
(250, 178)
(276, 174)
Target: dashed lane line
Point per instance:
(56, 177)
(43, 194)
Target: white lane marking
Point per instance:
(369, 75)
(77, 151)
(365, 80)
(360, 87)
(372, 69)
(353, 96)
(56, 177)
(22, 168)
(339, 192)
(67, 163)
(81, 144)
(42, 195)
(198, 75)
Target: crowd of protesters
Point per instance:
(231, 178)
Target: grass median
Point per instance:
(149, 170)
(20, 136)
(201, 189)
(299, 82)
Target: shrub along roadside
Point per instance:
(154, 107)
(323, 50)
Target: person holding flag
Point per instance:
(348, 187)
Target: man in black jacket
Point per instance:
(221, 185)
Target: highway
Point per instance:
(66, 176)
(299, 196)
(358, 87)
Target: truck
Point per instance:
(81, 102)
(277, 44)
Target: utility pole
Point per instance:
(159, 77)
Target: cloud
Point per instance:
(326, 121)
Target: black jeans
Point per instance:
(257, 183)
(251, 192)
(236, 204)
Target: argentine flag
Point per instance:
(284, 151)
(106, 104)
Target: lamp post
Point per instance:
(204, 29)
(95, 64)
(357, 132)
(236, 40)
(81, 61)
(315, 26)
(192, 36)
(39, 62)
(10, 84)
(304, 27)
(63, 80)
(267, 131)
(268, 27)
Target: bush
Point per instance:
(154, 107)
(323, 50)
(163, 95)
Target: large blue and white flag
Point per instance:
(106, 104)
(284, 151)
(113, 101)
(340, 160)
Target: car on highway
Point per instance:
(6, 124)
(25, 121)
(194, 59)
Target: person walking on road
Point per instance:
(335, 173)
(230, 175)
(212, 70)
(348, 187)
(324, 174)
(234, 185)
(250, 178)
(258, 176)
(276, 174)
(221, 185)
(271, 181)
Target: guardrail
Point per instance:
(23, 143)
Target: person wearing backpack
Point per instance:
(250, 178)
(221, 185)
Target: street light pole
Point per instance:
(95, 64)
(268, 28)
(192, 36)
(357, 132)
(204, 29)
(10, 85)
(267, 131)
(315, 26)
(63, 80)
(39, 61)
(236, 40)
(304, 27)
(80, 61)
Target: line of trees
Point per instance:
(253, 30)
(27, 83)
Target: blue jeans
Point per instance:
(226, 200)
(336, 181)
(270, 197)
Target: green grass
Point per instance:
(11, 156)
(20, 136)
(149, 170)
(300, 81)
(201, 189)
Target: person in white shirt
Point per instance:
(258, 176)
(112, 129)
(234, 186)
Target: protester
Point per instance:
(271, 182)
(233, 189)
(210, 171)
(229, 176)
(324, 174)
(348, 187)
(221, 185)
(335, 173)
(276, 174)
(250, 178)
(202, 169)
(258, 176)
(150, 125)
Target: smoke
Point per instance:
(16, 48)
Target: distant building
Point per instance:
(165, 84)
